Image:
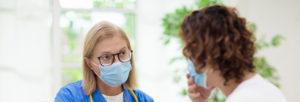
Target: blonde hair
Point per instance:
(97, 33)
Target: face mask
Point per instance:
(116, 74)
(199, 78)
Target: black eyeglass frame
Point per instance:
(118, 54)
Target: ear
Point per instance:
(91, 65)
(88, 62)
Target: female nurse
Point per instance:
(220, 52)
(108, 69)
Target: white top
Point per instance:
(116, 98)
(256, 89)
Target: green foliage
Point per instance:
(171, 25)
(262, 66)
(119, 4)
(171, 21)
(171, 28)
(205, 3)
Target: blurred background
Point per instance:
(41, 43)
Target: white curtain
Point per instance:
(25, 51)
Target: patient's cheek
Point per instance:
(211, 80)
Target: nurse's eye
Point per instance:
(106, 59)
(122, 53)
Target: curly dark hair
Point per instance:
(217, 35)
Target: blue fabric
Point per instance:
(74, 93)
(199, 78)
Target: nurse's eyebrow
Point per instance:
(113, 52)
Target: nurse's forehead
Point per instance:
(113, 44)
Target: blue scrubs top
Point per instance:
(74, 92)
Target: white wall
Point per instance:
(25, 73)
(283, 17)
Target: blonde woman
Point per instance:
(108, 69)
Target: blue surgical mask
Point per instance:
(199, 78)
(116, 74)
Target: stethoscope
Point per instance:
(131, 91)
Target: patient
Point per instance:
(220, 52)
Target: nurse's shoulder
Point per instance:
(72, 92)
(143, 97)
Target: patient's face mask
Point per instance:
(199, 78)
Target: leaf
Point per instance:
(252, 27)
(262, 44)
(203, 3)
(277, 40)
(171, 22)
(183, 92)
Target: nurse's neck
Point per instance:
(231, 85)
(108, 90)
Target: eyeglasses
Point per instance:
(109, 59)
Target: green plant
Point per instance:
(171, 23)
(119, 4)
